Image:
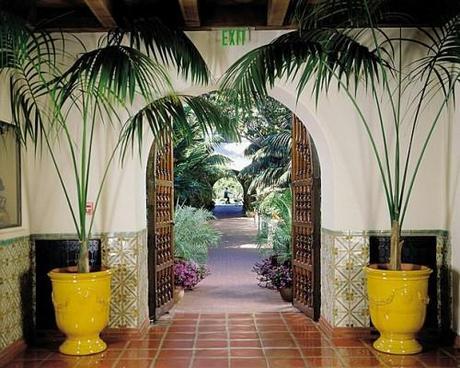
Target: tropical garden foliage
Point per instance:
(193, 234)
(275, 235)
(197, 167)
(271, 159)
(266, 124)
(274, 240)
(339, 45)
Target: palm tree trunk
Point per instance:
(395, 246)
(83, 259)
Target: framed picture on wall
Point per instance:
(10, 177)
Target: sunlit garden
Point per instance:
(252, 173)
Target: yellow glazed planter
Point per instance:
(397, 304)
(81, 303)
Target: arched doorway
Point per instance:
(306, 230)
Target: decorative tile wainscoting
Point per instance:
(126, 254)
(16, 288)
(343, 258)
(343, 298)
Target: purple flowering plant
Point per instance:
(187, 274)
(273, 274)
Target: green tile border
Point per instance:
(434, 232)
(71, 236)
(10, 241)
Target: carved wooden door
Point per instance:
(305, 178)
(160, 197)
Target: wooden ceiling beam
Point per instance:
(102, 10)
(276, 12)
(189, 10)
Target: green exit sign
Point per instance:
(234, 36)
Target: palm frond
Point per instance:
(341, 13)
(161, 114)
(318, 55)
(27, 59)
(165, 45)
(442, 60)
(119, 71)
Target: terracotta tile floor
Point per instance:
(237, 340)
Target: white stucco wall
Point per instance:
(351, 193)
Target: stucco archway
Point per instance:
(282, 96)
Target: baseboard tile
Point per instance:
(343, 332)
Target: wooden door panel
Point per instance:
(160, 192)
(305, 222)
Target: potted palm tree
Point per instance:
(340, 43)
(48, 83)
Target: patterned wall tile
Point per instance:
(16, 299)
(351, 256)
(343, 289)
(143, 279)
(327, 277)
(125, 254)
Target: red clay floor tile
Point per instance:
(143, 344)
(245, 344)
(400, 361)
(368, 361)
(278, 343)
(136, 363)
(180, 336)
(177, 344)
(212, 336)
(318, 352)
(248, 353)
(248, 363)
(207, 344)
(243, 335)
(210, 363)
(282, 353)
(318, 362)
(57, 363)
(286, 363)
(174, 353)
(169, 363)
(139, 354)
(211, 353)
(237, 340)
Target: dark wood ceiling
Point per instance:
(89, 15)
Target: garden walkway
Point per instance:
(232, 286)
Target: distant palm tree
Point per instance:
(197, 167)
(271, 160)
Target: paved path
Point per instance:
(232, 286)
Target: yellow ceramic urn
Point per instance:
(81, 303)
(397, 304)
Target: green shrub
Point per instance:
(275, 237)
(193, 234)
